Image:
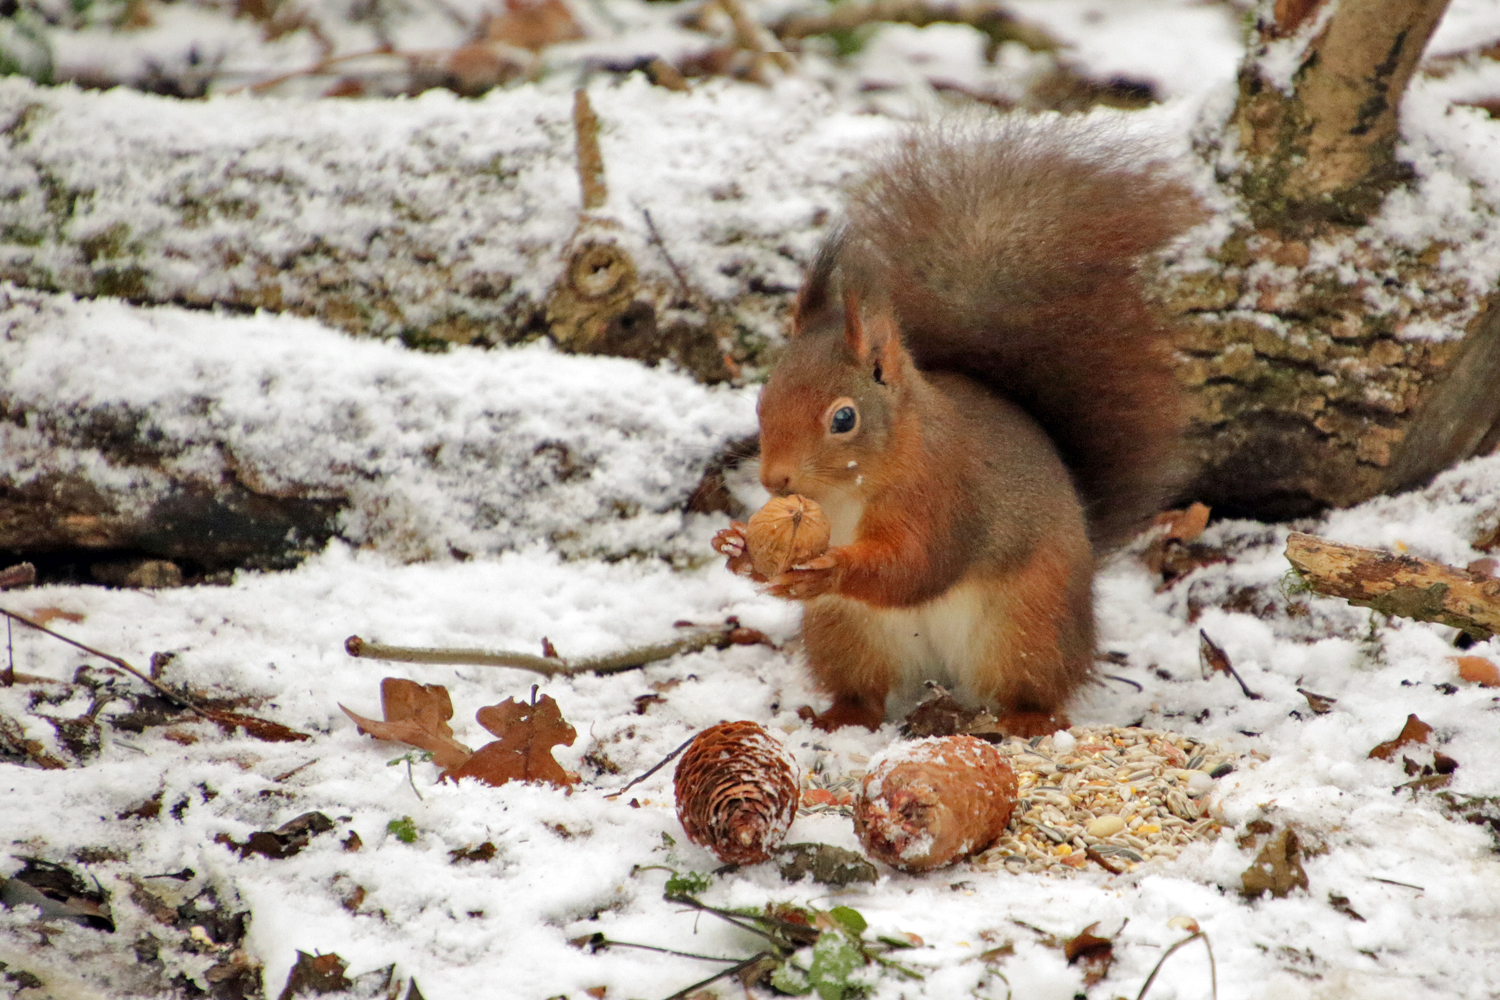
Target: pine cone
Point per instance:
(737, 791)
(785, 532)
(930, 803)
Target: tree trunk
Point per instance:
(1329, 362)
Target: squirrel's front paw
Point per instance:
(730, 542)
(805, 581)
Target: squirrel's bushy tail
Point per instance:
(1012, 256)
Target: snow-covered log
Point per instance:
(437, 220)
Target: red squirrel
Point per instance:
(980, 398)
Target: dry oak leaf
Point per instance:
(1415, 731)
(1278, 868)
(1096, 953)
(524, 750)
(416, 714)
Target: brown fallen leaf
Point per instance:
(44, 615)
(1277, 868)
(524, 750)
(1096, 953)
(1321, 704)
(939, 714)
(282, 842)
(1341, 904)
(1415, 731)
(316, 974)
(1478, 670)
(534, 24)
(261, 729)
(417, 715)
(1183, 525)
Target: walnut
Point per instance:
(784, 533)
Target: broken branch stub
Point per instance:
(1324, 149)
(1398, 585)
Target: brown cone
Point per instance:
(930, 803)
(737, 791)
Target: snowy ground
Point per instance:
(563, 865)
(439, 453)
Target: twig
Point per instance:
(992, 19)
(318, 68)
(600, 941)
(1213, 970)
(687, 290)
(733, 970)
(590, 159)
(751, 37)
(171, 695)
(1391, 881)
(611, 663)
(795, 935)
(1398, 585)
(657, 767)
(1213, 658)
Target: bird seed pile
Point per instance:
(1110, 798)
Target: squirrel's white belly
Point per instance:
(945, 640)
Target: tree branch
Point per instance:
(1398, 585)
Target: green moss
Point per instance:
(421, 340)
(21, 236)
(106, 244)
(128, 282)
(403, 829)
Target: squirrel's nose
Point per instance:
(775, 478)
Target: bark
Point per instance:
(457, 227)
(1328, 363)
(1398, 585)
(1327, 150)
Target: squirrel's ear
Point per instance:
(875, 340)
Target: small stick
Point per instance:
(1398, 585)
(752, 38)
(171, 695)
(1213, 658)
(317, 68)
(605, 942)
(590, 159)
(1213, 970)
(610, 663)
(657, 767)
(733, 970)
(687, 290)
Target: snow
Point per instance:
(459, 451)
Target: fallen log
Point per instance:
(1398, 585)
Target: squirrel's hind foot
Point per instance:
(846, 710)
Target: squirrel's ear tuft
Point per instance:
(874, 339)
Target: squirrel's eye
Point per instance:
(843, 420)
